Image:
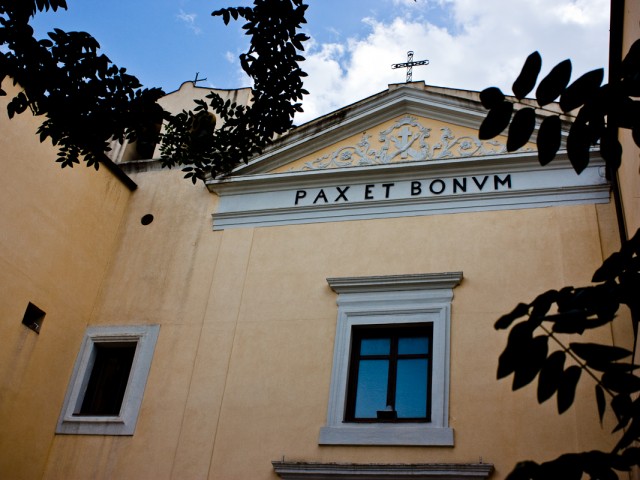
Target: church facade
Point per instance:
(325, 311)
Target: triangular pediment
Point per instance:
(407, 123)
(407, 138)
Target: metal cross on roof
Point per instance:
(410, 64)
(198, 79)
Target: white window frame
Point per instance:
(388, 300)
(145, 337)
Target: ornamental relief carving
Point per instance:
(405, 141)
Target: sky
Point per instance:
(470, 44)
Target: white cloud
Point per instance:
(582, 12)
(484, 44)
(189, 20)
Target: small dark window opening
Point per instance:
(109, 378)
(146, 219)
(390, 374)
(33, 317)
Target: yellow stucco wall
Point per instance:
(241, 372)
(58, 230)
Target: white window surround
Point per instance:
(145, 336)
(400, 299)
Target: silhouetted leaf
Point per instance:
(622, 407)
(636, 135)
(530, 364)
(521, 128)
(592, 118)
(601, 402)
(549, 139)
(550, 376)
(631, 63)
(611, 268)
(633, 244)
(491, 97)
(528, 76)
(626, 112)
(597, 353)
(565, 299)
(542, 303)
(505, 321)
(630, 435)
(598, 465)
(524, 471)
(571, 321)
(518, 342)
(578, 146)
(611, 151)
(507, 362)
(621, 382)
(567, 388)
(631, 457)
(552, 86)
(581, 90)
(565, 467)
(496, 121)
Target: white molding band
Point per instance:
(387, 300)
(374, 471)
(415, 188)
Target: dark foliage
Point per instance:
(573, 311)
(272, 63)
(536, 345)
(601, 110)
(87, 101)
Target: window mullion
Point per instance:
(393, 371)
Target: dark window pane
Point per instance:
(411, 388)
(371, 392)
(108, 380)
(374, 346)
(390, 366)
(413, 345)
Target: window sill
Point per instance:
(386, 434)
(95, 426)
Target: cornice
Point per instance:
(373, 471)
(386, 283)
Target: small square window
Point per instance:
(390, 374)
(105, 392)
(33, 317)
